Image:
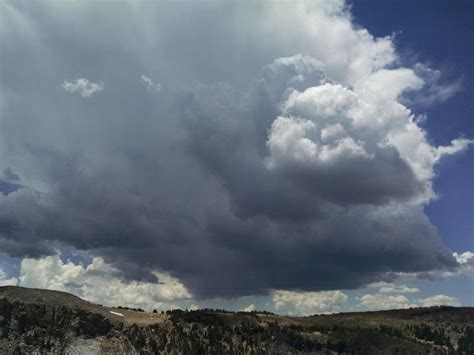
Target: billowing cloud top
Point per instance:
(280, 156)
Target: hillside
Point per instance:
(43, 321)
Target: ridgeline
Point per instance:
(52, 322)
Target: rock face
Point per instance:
(50, 322)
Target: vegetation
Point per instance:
(131, 309)
(437, 336)
(39, 321)
(466, 342)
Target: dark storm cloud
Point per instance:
(185, 179)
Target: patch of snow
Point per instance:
(116, 313)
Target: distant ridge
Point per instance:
(45, 321)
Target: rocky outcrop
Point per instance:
(26, 328)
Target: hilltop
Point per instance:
(44, 321)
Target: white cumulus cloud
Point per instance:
(390, 288)
(384, 300)
(249, 308)
(99, 282)
(324, 126)
(307, 303)
(5, 281)
(466, 258)
(378, 301)
(439, 300)
(83, 87)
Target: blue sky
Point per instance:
(305, 157)
(440, 33)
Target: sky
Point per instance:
(295, 157)
(437, 32)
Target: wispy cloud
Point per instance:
(150, 84)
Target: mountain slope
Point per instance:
(43, 321)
